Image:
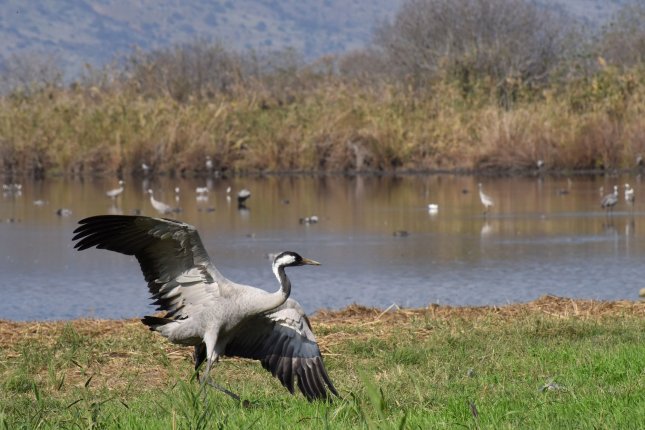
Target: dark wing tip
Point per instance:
(104, 231)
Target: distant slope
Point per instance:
(95, 31)
(91, 31)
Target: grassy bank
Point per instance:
(552, 363)
(329, 125)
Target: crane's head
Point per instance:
(289, 258)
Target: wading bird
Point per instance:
(160, 207)
(206, 310)
(485, 199)
(609, 201)
(209, 165)
(113, 194)
(242, 196)
(630, 197)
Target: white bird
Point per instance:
(116, 192)
(242, 196)
(12, 187)
(216, 316)
(160, 207)
(63, 212)
(630, 197)
(433, 208)
(485, 199)
(609, 201)
(177, 191)
(309, 220)
(202, 194)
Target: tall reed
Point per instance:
(329, 126)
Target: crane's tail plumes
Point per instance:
(155, 323)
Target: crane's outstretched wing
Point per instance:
(180, 275)
(283, 341)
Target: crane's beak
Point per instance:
(308, 261)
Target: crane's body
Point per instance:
(243, 195)
(116, 192)
(484, 198)
(610, 200)
(630, 197)
(208, 311)
(159, 206)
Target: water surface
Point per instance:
(544, 235)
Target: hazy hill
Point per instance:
(95, 31)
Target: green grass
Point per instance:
(518, 367)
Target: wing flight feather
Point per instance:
(174, 262)
(285, 345)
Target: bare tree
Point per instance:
(363, 66)
(622, 42)
(197, 69)
(470, 39)
(30, 71)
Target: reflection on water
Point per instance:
(542, 236)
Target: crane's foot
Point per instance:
(207, 380)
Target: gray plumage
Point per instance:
(159, 206)
(113, 194)
(208, 311)
(609, 201)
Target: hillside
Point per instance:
(87, 31)
(76, 32)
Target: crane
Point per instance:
(630, 197)
(485, 198)
(216, 316)
(242, 196)
(609, 201)
(116, 192)
(160, 207)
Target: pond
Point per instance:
(378, 242)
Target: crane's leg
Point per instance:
(199, 355)
(211, 357)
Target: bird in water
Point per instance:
(116, 192)
(243, 195)
(630, 197)
(159, 206)
(209, 165)
(485, 198)
(216, 316)
(609, 201)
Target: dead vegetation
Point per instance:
(48, 332)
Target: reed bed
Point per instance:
(330, 126)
